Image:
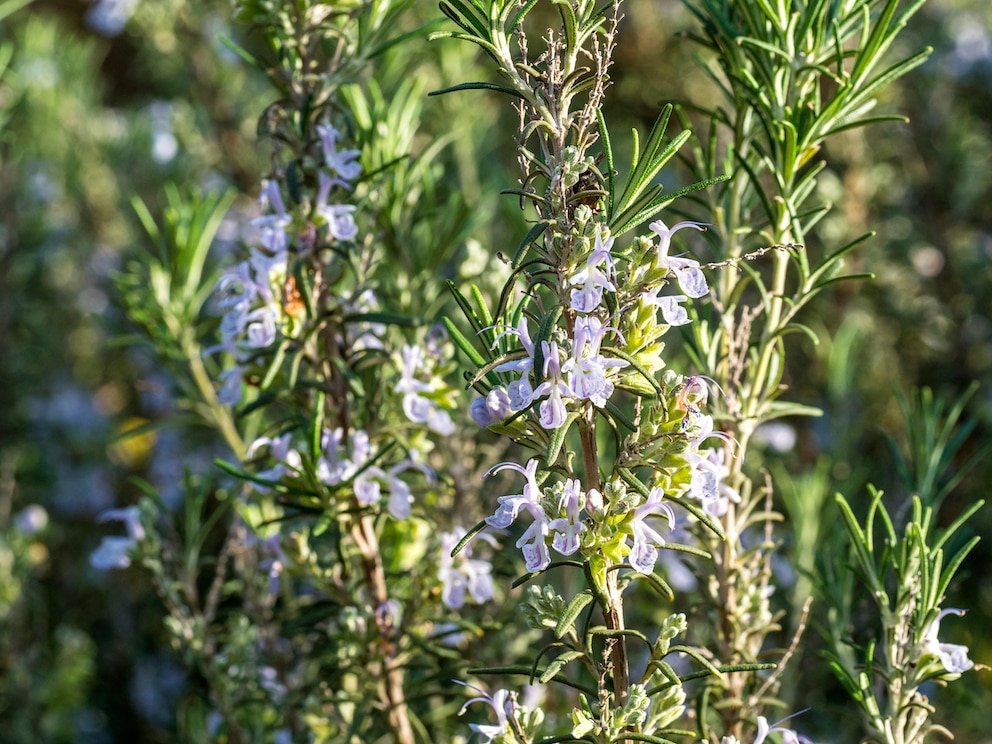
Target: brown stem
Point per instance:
(391, 693)
(618, 651)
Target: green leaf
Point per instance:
(463, 343)
(545, 330)
(557, 439)
(519, 16)
(571, 612)
(479, 86)
(479, 527)
(529, 239)
(642, 737)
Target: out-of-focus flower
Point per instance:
(281, 452)
(114, 552)
(463, 573)
(344, 163)
(417, 407)
(31, 520)
(109, 17)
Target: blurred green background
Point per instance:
(103, 100)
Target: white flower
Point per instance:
(533, 543)
(590, 280)
(670, 306)
(788, 735)
(644, 553)
(503, 703)
(690, 277)
(954, 657)
(568, 528)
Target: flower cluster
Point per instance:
(341, 462)
(258, 296)
(557, 518)
(581, 371)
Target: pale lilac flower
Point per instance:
(690, 277)
(670, 306)
(503, 703)
(533, 543)
(709, 467)
(276, 561)
(590, 280)
(491, 409)
(568, 528)
(230, 385)
(109, 17)
(953, 656)
(333, 466)
(463, 573)
(340, 222)
(114, 552)
(236, 285)
(644, 551)
(509, 506)
(519, 391)
(776, 435)
(552, 412)
(343, 163)
(273, 226)
(260, 330)
(364, 335)
(31, 520)
(439, 421)
(588, 370)
(271, 196)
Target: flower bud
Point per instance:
(594, 503)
